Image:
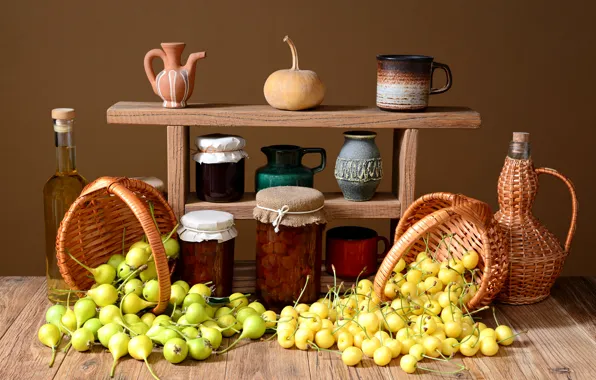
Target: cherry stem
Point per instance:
(271, 337)
(305, 284)
(461, 368)
(314, 345)
(513, 336)
(495, 316)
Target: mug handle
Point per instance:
(381, 256)
(323, 154)
(447, 70)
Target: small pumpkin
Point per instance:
(294, 89)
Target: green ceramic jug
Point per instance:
(284, 167)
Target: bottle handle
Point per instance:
(323, 154)
(149, 57)
(574, 203)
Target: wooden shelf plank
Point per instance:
(382, 206)
(232, 115)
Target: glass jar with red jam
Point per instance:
(220, 167)
(207, 249)
(290, 224)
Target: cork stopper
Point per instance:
(521, 137)
(63, 113)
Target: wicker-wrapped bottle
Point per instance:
(536, 256)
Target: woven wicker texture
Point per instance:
(471, 223)
(536, 257)
(92, 229)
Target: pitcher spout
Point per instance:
(192, 60)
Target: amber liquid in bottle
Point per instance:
(59, 192)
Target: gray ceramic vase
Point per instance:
(359, 168)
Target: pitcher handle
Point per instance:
(323, 154)
(149, 57)
(574, 203)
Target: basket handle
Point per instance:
(403, 243)
(574, 203)
(139, 209)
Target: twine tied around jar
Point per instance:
(285, 209)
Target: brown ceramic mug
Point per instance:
(404, 82)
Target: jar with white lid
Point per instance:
(207, 249)
(220, 167)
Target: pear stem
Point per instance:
(294, 53)
(91, 270)
(113, 367)
(53, 357)
(150, 370)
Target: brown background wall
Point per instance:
(524, 65)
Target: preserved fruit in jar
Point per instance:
(220, 167)
(207, 249)
(290, 224)
(208, 261)
(285, 259)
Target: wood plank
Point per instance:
(15, 293)
(22, 356)
(382, 206)
(267, 361)
(518, 361)
(212, 368)
(236, 115)
(577, 296)
(97, 363)
(178, 172)
(558, 348)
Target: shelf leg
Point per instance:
(178, 170)
(403, 176)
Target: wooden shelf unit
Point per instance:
(405, 127)
(382, 206)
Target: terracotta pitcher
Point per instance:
(174, 84)
(536, 257)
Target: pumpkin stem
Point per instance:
(294, 53)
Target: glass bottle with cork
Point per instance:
(59, 192)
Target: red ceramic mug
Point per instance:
(350, 249)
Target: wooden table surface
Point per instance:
(560, 344)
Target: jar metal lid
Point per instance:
(198, 226)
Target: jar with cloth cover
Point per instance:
(290, 224)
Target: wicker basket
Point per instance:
(470, 221)
(92, 229)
